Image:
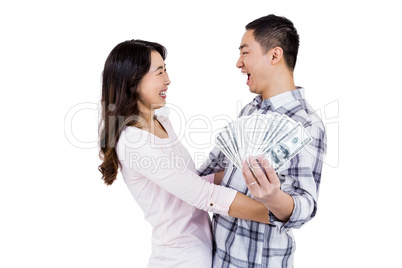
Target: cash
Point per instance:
(275, 136)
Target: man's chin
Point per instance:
(252, 90)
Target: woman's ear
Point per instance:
(276, 55)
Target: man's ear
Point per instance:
(276, 55)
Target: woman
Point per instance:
(174, 199)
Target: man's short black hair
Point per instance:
(273, 31)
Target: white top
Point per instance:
(162, 179)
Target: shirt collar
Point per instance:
(279, 100)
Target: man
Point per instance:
(268, 53)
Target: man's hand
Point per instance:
(264, 183)
(264, 186)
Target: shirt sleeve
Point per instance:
(301, 179)
(157, 165)
(209, 178)
(215, 163)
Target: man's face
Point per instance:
(254, 63)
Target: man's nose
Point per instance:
(239, 63)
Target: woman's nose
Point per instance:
(167, 80)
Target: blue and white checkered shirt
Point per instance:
(243, 243)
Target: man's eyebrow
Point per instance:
(243, 46)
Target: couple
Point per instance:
(247, 232)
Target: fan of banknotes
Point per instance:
(275, 136)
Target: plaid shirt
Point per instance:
(242, 243)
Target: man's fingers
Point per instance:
(259, 171)
(264, 162)
(248, 175)
(270, 172)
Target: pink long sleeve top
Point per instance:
(162, 178)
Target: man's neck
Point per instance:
(278, 86)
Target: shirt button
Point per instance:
(211, 204)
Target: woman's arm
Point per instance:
(184, 183)
(244, 207)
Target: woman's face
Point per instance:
(153, 86)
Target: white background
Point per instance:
(56, 212)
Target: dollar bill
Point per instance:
(287, 146)
(273, 135)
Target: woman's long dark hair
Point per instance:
(125, 66)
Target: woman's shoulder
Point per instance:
(131, 131)
(163, 119)
(133, 137)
